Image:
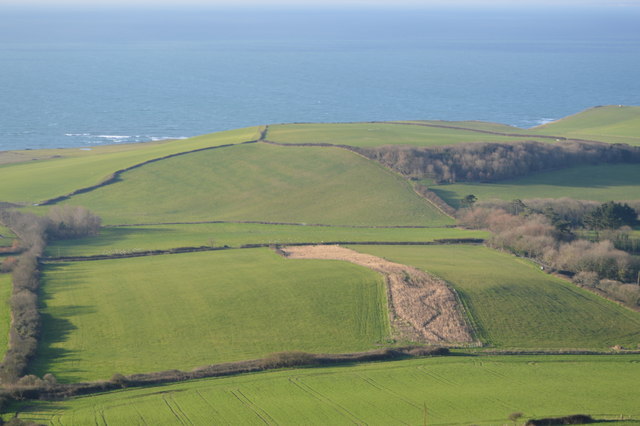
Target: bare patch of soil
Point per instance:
(422, 307)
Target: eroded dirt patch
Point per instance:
(422, 307)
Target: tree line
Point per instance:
(33, 232)
(546, 237)
(482, 162)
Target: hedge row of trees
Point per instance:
(32, 231)
(25, 324)
(534, 235)
(493, 161)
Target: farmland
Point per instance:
(135, 311)
(202, 308)
(260, 182)
(64, 172)
(451, 390)
(515, 305)
(599, 183)
(113, 240)
(612, 123)
(380, 134)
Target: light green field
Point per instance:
(604, 182)
(160, 237)
(486, 126)
(6, 236)
(611, 123)
(187, 310)
(5, 312)
(379, 134)
(515, 305)
(451, 390)
(261, 182)
(39, 180)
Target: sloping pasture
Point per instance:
(516, 305)
(36, 181)
(260, 182)
(611, 123)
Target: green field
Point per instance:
(69, 172)
(5, 312)
(485, 126)
(160, 237)
(186, 310)
(380, 134)
(451, 390)
(6, 236)
(261, 182)
(599, 183)
(515, 305)
(612, 123)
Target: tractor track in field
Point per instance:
(422, 307)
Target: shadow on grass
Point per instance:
(55, 330)
(108, 238)
(56, 327)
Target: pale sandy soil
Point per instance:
(422, 307)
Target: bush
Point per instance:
(8, 264)
(72, 222)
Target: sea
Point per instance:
(79, 77)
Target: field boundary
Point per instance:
(115, 176)
(255, 222)
(179, 250)
(56, 391)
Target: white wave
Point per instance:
(113, 137)
(542, 121)
(165, 138)
(77, 134)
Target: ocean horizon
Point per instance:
(77, 78)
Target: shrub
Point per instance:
(72, 222)
(8, 264)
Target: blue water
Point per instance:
(77, 78)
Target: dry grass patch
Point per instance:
(422, 306)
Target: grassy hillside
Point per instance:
(186, 310)
(518, 306)
(159, 237)
(380, 134)
(612, 123)
(35, 181)
(600, 183)
(5, 312)
(452, 390)
(261, 182)
(485, 126)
